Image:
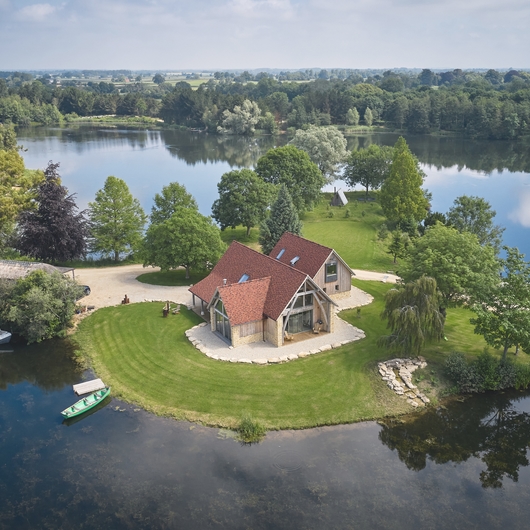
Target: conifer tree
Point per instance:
(283, 218)
(401, 194)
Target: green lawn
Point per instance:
(171, 278)
(353, 237)
(148, 360)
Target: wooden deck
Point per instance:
(89, 386)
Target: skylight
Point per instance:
(295, 259)
(243, 278)
(280, 254)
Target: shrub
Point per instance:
(522, 378)
(347, 213)
(250, 430)
(463, 374)
(485, 373)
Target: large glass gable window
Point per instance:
(222, 324)
(331, 271)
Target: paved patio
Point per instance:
(212, 345)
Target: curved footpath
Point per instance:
(109, 285)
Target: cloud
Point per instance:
(521, 214)
(36, 12)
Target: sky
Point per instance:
(254, 34)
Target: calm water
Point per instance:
(464, 466)
(148, 160)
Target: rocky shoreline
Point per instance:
(398, 376)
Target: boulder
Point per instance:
(259, 361)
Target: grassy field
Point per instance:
(148, 360)
(354, 237)
(171, 278)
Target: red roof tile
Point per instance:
(238, 260)
(311, 255)
(245, 302)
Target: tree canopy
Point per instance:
(474, 214)
(242, 120)
(55, 230)
(187, 239)
(503, 312)
(41, 305)
(414, 317)
(461, 267)
(368, 167)
(117, 219)
(292, 167)
(326, 147)
(18, 186)
(173, 196)
(283, 218)
(243, 199)
(401, 194)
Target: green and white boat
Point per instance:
(86, 403)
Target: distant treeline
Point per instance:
(492, 104)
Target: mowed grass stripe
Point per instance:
(149, 361)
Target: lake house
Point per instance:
(252, 297)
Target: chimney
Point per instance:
(224, 281)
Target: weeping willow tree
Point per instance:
(414, 316)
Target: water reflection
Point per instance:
(150, 159)
(490, 428)
(50, 365)
(121, 467)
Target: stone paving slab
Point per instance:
(265, 353)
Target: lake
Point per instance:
(461, 466)
(150, 159)
(464, 465)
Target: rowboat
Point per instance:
(5, 336)
(86, 403)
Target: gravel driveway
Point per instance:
(109, 285)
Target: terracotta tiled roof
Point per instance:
(245, 302)
(239, 260)
(311, 255)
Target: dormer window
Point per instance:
(243, 278)
(280, 254)
(294, 260)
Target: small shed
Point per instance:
(14, 270)
(339, 199)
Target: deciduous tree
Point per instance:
(326, 147)
(173, 196)
(503, 313)
(41, 305)
(474, 214)
(243, 199)
(283, 218)
(117, 219)
(242, 120)
(414, 316)
(187, 239)
(292, 167)
(368, 167)
(461, 267)
(55, 231)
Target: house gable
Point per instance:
(240, 260)
(313, 259)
